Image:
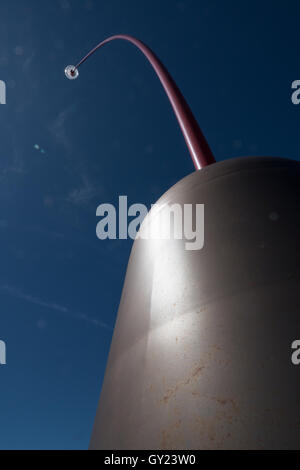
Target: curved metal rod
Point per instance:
(195, 140)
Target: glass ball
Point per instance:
(71, 72)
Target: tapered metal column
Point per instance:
(201, 352)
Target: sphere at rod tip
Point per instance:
(71, 72)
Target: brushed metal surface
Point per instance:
(201, 352)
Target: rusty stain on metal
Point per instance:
(172, 391)
(226, 401)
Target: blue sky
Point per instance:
(67, 147)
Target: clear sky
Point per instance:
(67, 147)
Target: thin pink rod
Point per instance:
(195, 140)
